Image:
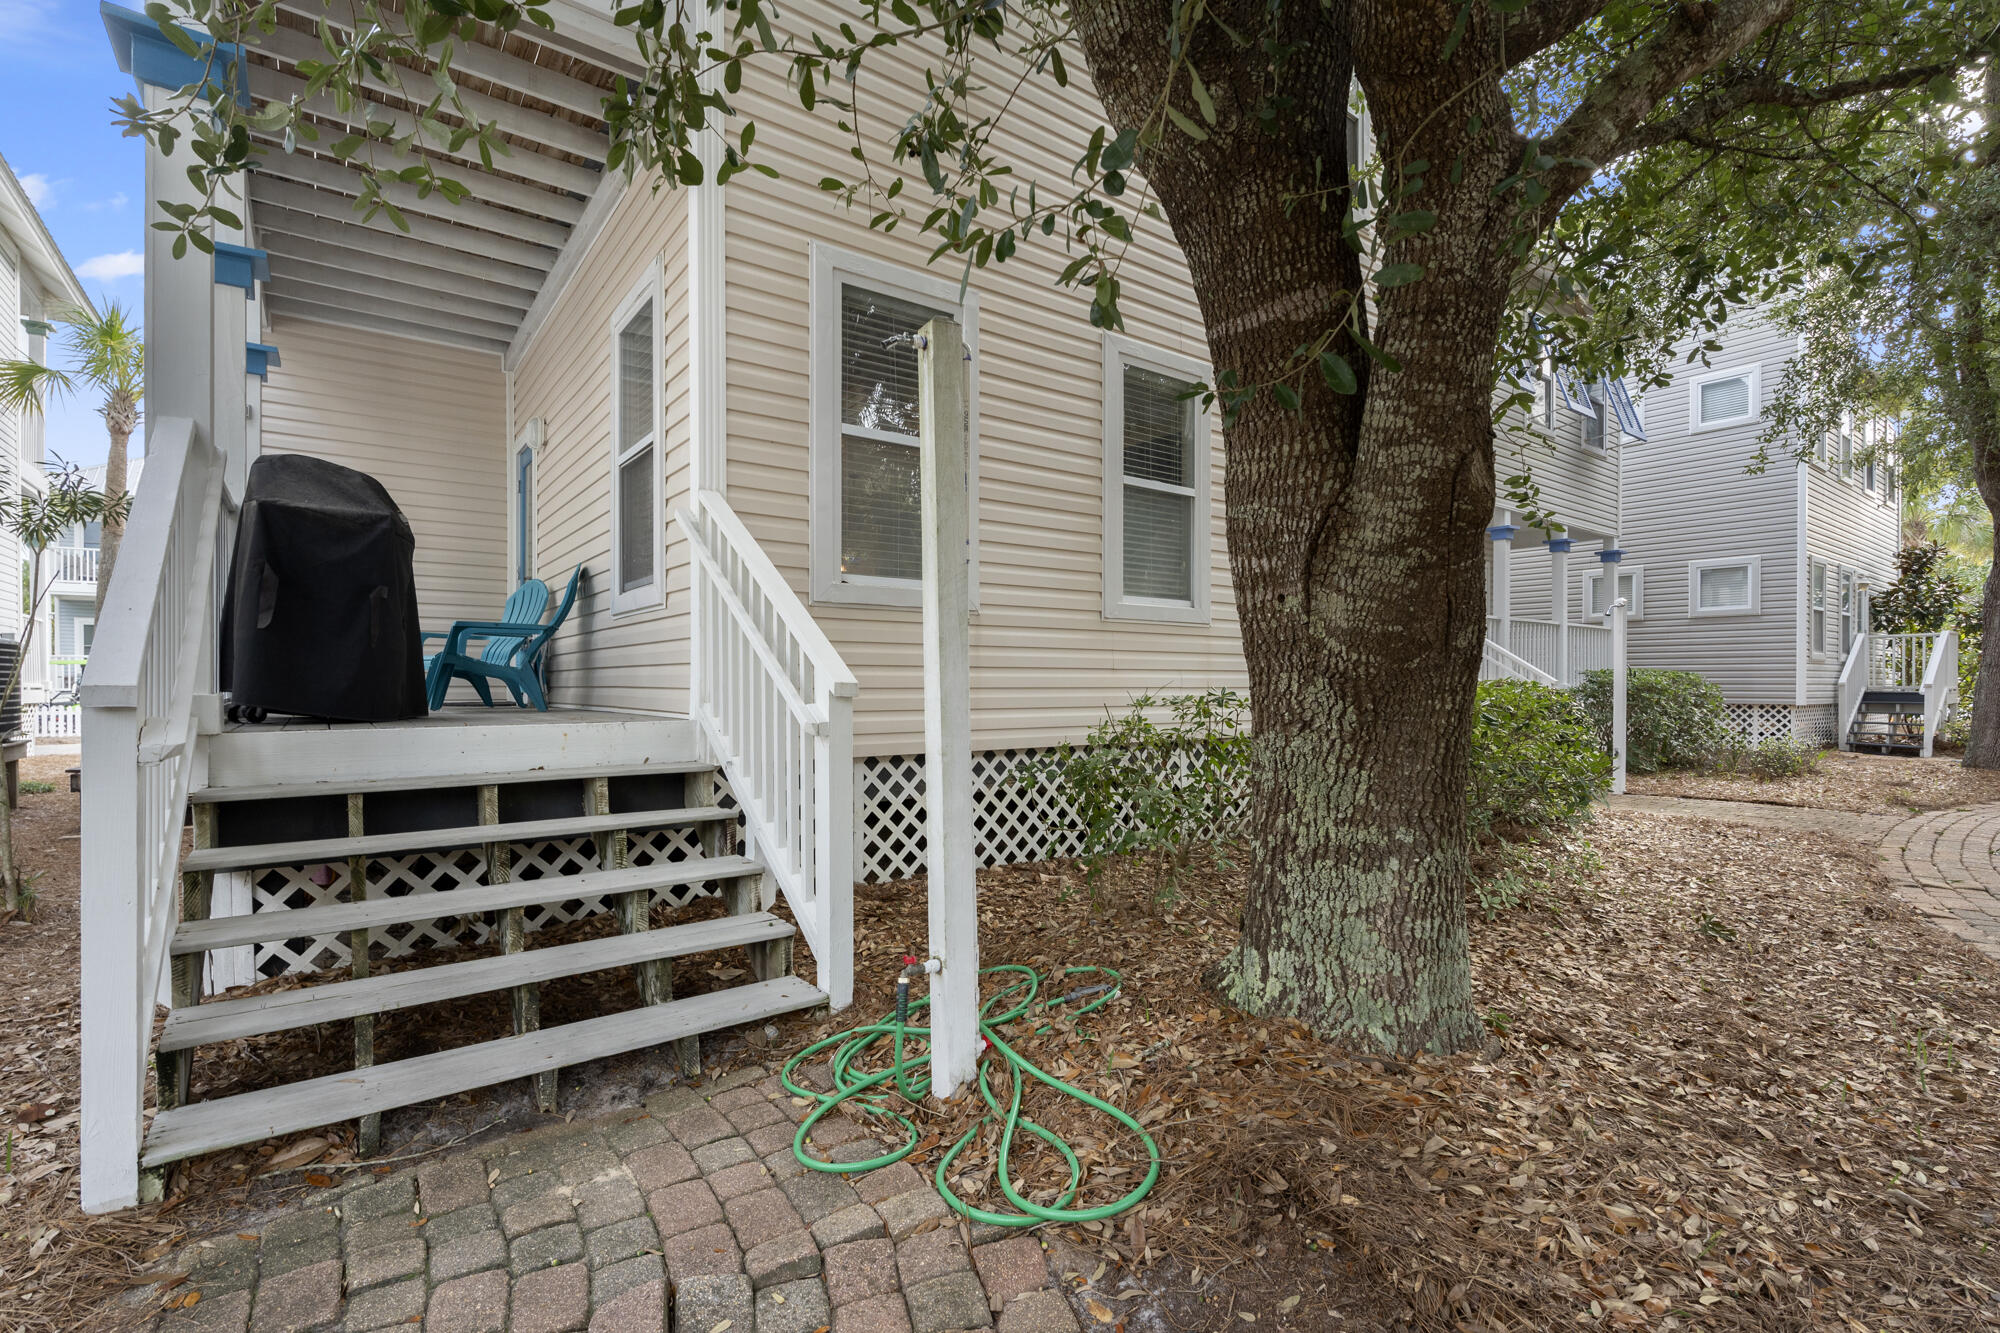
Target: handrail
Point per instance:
(774, 698)
(1854, 677)
(1497, 663)
(151, 658)
(1940, 684)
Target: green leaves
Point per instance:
(1338, 374)
(1398, 275)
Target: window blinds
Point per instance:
(1722, 400)
(881, 520)
(1159, 493)
(1725, 588)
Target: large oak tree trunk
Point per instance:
(1982, 744)
(1355, 523)
(1972, 393)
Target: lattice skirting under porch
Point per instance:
(1751, 723)
(426, 872)
(1012, 820)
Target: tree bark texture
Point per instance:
(1972, 394)
(1356, 523)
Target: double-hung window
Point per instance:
(1722, 398)
(1156, 485)
(1850, 603)
(636, 360)
(1631, 586)
(1816, 629)
(1597, 401)
(867, 527)
(1723, 587)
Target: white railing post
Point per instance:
(1619, 610)
(1502, 535)
(776, 703)
(1855, 676)
(139, 753)
(953, 868)
(117, 1017)
(1940, 683)
(833, 845)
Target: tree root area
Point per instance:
(1731, 1083)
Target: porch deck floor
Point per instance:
(455, 715)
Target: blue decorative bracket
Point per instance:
(153, 59)
(1560, 544)
(240, 266)
(1502, 532)
(1610, 555)
(258, 358)
(37, 328)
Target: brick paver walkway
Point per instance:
(1947, 865)
(690, 1216)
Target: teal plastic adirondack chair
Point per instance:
(512, 649)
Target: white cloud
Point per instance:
(23, 21)
(106, 268)
(114, 203)
(39, 188)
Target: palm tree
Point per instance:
(107, 357)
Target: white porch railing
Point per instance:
(1918, 663)
(1540, 644)
(65, 674)
(50, 721)
(153, 655)
(1940, 684)
(1496, 663)
(777, 703)
(72, 564)
(1896, 661)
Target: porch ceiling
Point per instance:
(467, 273)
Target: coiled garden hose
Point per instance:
(909, 1076)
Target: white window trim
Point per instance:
(831, 267)
(1636, 611)
(648, 596)
(1120, 352)
(1756, 564)
(1697, 426)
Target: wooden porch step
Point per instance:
(224, 932)
(291, 790)
(256, 856)
(250, 1015)
(253, 1116)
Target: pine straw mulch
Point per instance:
(54, 1262)
(1732, 1083)
(1870, 784)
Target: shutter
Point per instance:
(1627, 410)
(1573, 392)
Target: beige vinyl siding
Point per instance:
(637, 661)
(426, 420)
(1692, 497)
(1046, 663)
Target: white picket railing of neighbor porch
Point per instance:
(152, 659)
(777, 702)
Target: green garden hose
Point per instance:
(869, 1091)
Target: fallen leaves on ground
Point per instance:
(1868, 783)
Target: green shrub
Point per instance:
(1536, 760)
(1777, 757)
(1154, 789)
(1673, 719)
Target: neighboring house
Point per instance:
(69, 618)
(1756, 576)
(34, 278)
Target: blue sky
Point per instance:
(57, 80)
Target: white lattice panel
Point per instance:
(1814, 724)
(1012, 821)
(1751, 723)
(441, 872)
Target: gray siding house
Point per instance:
(1757, 579)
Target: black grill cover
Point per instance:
(321, 613)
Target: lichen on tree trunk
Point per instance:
(1355, 521)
